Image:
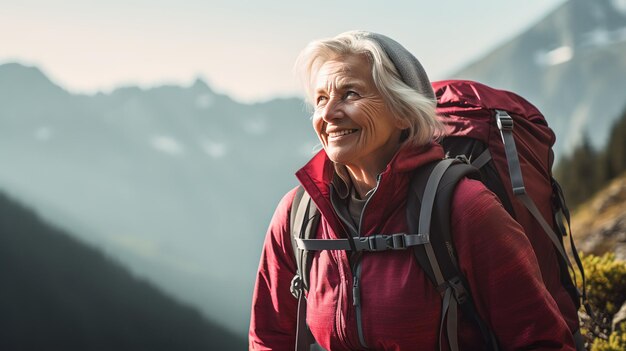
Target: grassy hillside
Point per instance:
(58, 294)
(599, 224)
(599, 227)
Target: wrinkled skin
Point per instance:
(352, 120)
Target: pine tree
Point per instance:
(586, 170)
(578, 173)
(615, 152)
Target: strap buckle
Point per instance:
(463, 158)
(297, 286)
(381, 242)
(504, 121)
(460, 293)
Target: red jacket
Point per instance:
(400, 306)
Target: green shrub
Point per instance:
(616, 341)
(606, 293)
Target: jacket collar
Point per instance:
(320, 170)
(317, 175)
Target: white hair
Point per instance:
(404, 102)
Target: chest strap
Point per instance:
(378, 242)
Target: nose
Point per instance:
(331, 111)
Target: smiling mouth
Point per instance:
(341, 133)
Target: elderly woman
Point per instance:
(374, 114)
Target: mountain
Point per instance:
(571, 65)
(58, 294)
(177, 183)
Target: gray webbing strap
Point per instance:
(452, 324)
(530, 205)
(447, 296)
(449, 305)
(323, 244)
(482, 160)
(449, 309)
(426, 210)
(300, 214)
(297, 231)
(302, 331)
(505, 124)
(378, 242)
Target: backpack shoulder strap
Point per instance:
(303, 223)
(433, 187)
(296, 219)
(430, 195)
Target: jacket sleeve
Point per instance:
(274, 309)
(503, 273)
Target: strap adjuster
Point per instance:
(504, 121)
(457, 288)
(398, 241)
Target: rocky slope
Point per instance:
(599, 225)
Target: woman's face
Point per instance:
(351, 118)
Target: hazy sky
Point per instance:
(242, 48)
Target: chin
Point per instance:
(338, 159)
(339, 154)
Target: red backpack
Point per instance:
(509, 140)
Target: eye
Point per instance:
(320, 100)
(351, 94)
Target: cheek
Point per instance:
(371, 115)
(318, 124)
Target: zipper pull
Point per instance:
(356, 292)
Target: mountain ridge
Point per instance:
(60, 294)
(178, 183)
(570, 65)
(172, 169)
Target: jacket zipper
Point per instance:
(356, 289)
(341, 326)
(356, 298)
(356, 268)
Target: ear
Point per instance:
(401, 123)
